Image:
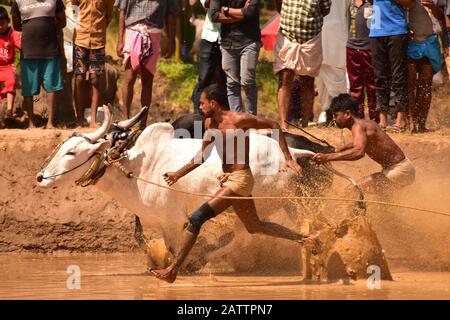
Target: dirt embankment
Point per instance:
(79, 219)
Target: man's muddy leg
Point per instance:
(246, 211)
(375, 183)
(216, 205)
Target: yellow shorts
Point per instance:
(240, 182)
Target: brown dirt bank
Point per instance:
(79, 219)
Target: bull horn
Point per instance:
(127, 124)
(100, 132)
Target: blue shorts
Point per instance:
(431, 49)
(35, 72)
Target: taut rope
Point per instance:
(130, 175)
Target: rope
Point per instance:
(288, 197)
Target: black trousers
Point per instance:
(209, 68)
(389, 60)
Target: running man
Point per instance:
(236, 180)
(368, 137)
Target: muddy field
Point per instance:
(75, 219)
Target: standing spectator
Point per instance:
(359, 59)
(210, 61)
(140, 27)
(39, 22)
(89, 52)
(298, 50)
(425, 59)
(240, 43)
(9, 41)
(332, 78)
(388, 33)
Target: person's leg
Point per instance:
(8, 83)
(231, 66)
(80, 97)
(412, 88)
(96, 73)
(95, 82)
(31, 83)
(246, 211)
(147, 89)
(375, 183)
(398, 64)
(249, 59)
(356, 78)
(206, 67)
(213, 207)
(10, 96)
(52, 81)
(369, 84)
(129, 78)
(28, 107)
(307, 101)
(51, 101)
(382, 77)
(424, 92)
(80, 69)
(293, 113)
(285, 78)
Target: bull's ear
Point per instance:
(98, 146)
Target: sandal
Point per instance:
(395, 128)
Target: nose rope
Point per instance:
(44, 164)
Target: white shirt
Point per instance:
(211, 31)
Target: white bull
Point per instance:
(155, 153)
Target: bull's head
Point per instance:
(73, 157)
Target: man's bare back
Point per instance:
(380, 147)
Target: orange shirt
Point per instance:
(94, 17)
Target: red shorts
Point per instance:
(7, 80)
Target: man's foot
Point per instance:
(423, 130)
(8, 114)
(169, 274)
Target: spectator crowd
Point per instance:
(385, 53)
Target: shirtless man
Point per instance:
(237, 179)
(368, 137)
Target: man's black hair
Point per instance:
(3, 13)
(344, 102)
(218, 93)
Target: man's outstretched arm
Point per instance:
(199, 158)
(355, 152)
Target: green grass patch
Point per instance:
(181, 78)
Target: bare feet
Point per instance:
(169, 274)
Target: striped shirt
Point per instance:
(302, 20)
(151, 12)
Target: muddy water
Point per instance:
(123, 277)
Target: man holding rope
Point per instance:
(237, 178)
(368, 137)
